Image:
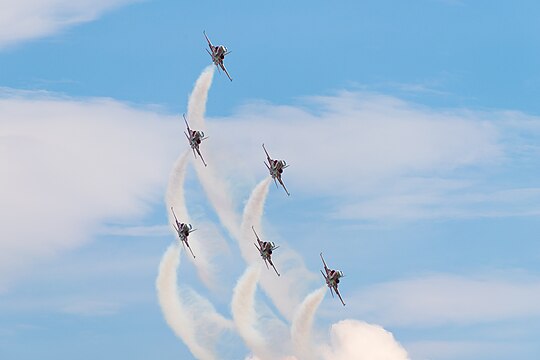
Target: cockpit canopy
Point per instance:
(201, 134)
(283, 163)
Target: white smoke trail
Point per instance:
(177, 316)
(295, 278)
(244, 313)
(195, 322)
(175, 198)
(197, 98)
(253, 212)
(303, 323)
(215, 189)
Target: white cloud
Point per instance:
(444, 299)
(28, 19)
(438, 198)
(465, 349)
(356, 139)
(137, 231)
(358, 340)
(71, 164)
(382, 158)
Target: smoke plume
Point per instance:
(244, 313)
(198, 324)
(175, 198)
(176, 314)
(295, 278)
(303, 323)
(217, 191)
(198, 97)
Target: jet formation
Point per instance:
(275, 168)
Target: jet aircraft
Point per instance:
(183, 231)
(218, 54)
(276, 169)
(265, 249)
(332, 279)
(195, 138)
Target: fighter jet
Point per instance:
(194, 137)
(276, 169)
(265, 249)
(218, 54)
(332, 279)
(183, 231)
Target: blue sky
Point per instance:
(412, 132)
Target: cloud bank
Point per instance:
(72, 164)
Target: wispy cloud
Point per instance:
(442, 299)
(464, 349)
(136, 231)
(387, 159)
(75, 163)
(22, 20)
(71, 165)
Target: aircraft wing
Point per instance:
(207, 39)
(325, 267)
(284, 188)
(325, 277)
(339, 295)
(225, 70)
(257, 236)
(199, 152)
(271, 263)
(189, 247)
(258, 248)
(174, 216)
(267, 156)
(187, 125)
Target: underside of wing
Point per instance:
(339, 295)
(199, 152)
(271, 263)
(225, 70)
(282, 184)
(208, 40)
